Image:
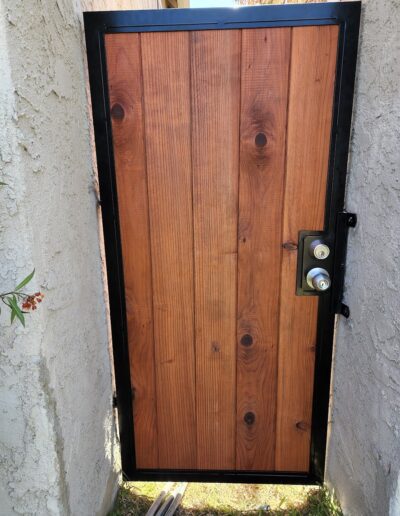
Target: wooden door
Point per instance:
(221, 144)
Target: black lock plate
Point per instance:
(307, 261)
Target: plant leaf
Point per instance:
(15, 309)
(25, 281)
(3, 184)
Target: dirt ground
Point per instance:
(203, 499)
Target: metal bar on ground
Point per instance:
(165, 506)
(178, 494)
(158, 501)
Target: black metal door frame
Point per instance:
(97, 24)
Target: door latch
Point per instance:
(321, 262)
(314, 265)
(318, 279)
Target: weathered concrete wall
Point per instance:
(57, 428)
(58, 452)
(364, 447)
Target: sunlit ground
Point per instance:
(231, 499)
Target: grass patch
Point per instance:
(203, 499)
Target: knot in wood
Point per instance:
(302, 425)
(260, 140)
(249, 418)
(117, 112)
(290, 246)
(246, 340)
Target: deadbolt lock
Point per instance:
(319, 250)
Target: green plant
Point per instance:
(16, 297)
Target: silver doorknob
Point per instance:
(319, 250)
(318, 279)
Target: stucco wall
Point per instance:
(57, 435)
(364, 446)
(58, 452)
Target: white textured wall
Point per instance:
(364, 447)
(57, 435)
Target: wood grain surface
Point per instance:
(125, 93)
(265, 67)
(264, 91)
(312, 74)
(215, 62)
(166, 81)
(221, 144)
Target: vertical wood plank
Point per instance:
(166, 77)
(125, 92)
(312, 75)
(264, 92)
(215, 75)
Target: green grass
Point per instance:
(231, 500)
